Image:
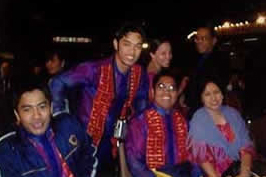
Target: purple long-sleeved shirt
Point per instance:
(86, 76)
(136, 143)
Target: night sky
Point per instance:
(84, 18)
(29, 25)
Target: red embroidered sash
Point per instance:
(155, 149)
(66, 172)
(104, 97)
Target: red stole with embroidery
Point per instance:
(105, 95)
(155, 147)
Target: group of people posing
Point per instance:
(127, 120)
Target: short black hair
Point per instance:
(27, 86)
(61, 54)
(165, 72)
(209, 27)
(130, 26)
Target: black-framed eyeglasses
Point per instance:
(166, 87)
(201, 38)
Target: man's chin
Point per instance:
(130, 64)
(38, 132)
(166, 66)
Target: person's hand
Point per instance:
(244, 174)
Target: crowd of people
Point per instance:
(116, 117)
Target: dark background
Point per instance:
(27, 28)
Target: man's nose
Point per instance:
(36, 113)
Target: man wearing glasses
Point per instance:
(156, 139)
(210, 62)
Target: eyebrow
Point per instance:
(126, 40)
(28, 105)
(166, 83)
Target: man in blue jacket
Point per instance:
(43, 147)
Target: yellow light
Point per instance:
(65, 39)
(215, 28)
(246, 22)
(145, 45)
(226, 24)
(261, 20)
(57, 39)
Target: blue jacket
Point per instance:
(18, 157)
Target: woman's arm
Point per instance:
(246, 163)
(209, 169)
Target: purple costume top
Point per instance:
(86, 76)
(211, 143)
(136, 144)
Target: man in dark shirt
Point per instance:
(210, 62)
(43, 147)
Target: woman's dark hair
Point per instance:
(27, 86)
(154, 43)
(202, 85)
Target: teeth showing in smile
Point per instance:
(37, 125)
(130, 57)
(166, 98)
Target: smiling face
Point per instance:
(204, 41)
(163, 55)
(165, 92)
(212, 97)
(128, 50)
(33, 112)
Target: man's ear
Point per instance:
(115, 43)
(17, 116)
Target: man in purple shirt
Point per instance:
(110, 87)
(156, 139)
